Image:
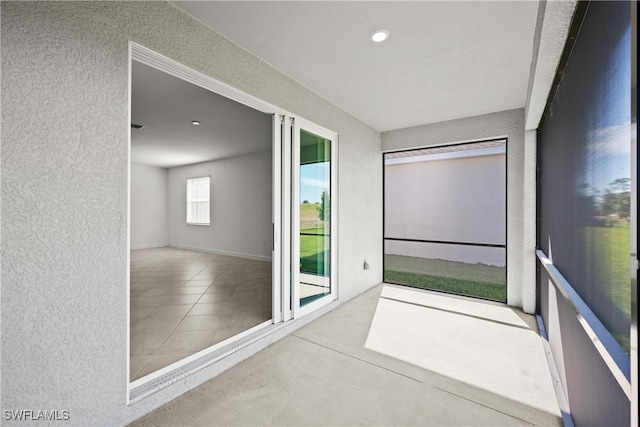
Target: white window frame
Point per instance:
(190, 215)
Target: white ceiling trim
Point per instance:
(156, 60)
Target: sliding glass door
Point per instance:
(313, 219)
(224, 276)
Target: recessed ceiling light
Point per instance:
(380, 35)
(195, 123)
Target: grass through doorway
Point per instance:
(479, 280)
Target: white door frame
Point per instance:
(160, 62)
(287, 281)
(284, 305)
(302, 124)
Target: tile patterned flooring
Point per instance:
(184, 301)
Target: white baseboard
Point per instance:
(150, 246)
(221, 252)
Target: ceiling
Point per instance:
(166, 106)
(443, 60)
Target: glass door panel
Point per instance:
(315, 217)
(313, 257)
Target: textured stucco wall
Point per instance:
(552, 28)
(64, 195)
(508, 124)
(241, 204)
(461, 199)
(529, 201)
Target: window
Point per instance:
(198, 201)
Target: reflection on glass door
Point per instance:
(315, 217)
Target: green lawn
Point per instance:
(612, 246)
(309, 216)
(479, 280)
(609, 263)
(492, 291)
(313, 253)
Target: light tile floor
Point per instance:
(390, 357)
(184, 301)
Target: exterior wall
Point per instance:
(148, 199)
(240, 207)
(529, 286)
(460, 199)
(509, 124)
(65, 126)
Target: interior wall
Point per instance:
(149, 221)
(64, 266)
(240, 207)
(509, 124)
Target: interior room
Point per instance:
(194, 215)
(199, 275)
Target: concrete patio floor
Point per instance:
(392, 356)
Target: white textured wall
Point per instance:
(240, 207)
(459, 199)
(65, 129)
(459, 253)
(529, 222)
(148, 203)
(552, 28)
(508, 124)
